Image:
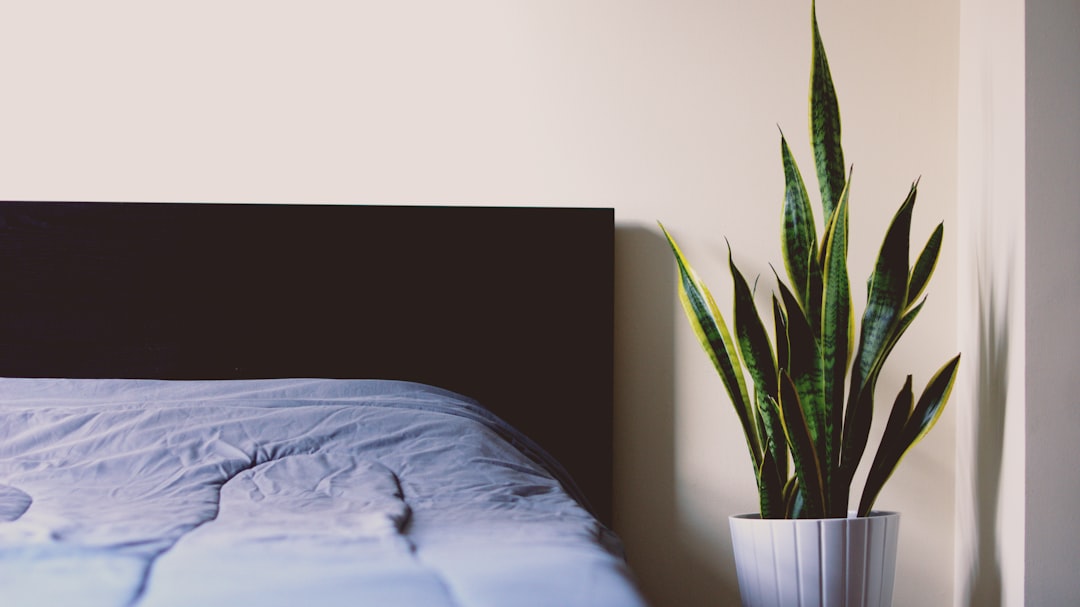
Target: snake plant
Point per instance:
(795, 409)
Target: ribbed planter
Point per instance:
(816, 562)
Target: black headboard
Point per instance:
(512, 306)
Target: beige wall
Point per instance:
(989, 397)
(661, 109)
(1019, 140)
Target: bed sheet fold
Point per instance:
(285, 492)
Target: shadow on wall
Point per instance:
(983, 584)
(672, 568)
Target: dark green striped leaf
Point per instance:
(758, 357)
(770, 487)
(793, 500)
(805, 369)
(712, 333)
(772, 429)
(783, 363)
(799, 236)
(752, 339)
(898, 332)
(803, 453)
(837, 337)
(859, 417)
(887, 292)
(783, 358)
(857, 424)
(921, 419)
(924, 267)
(931, 403)
(889, 448)
(825, 124)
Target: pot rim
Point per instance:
(852, 516)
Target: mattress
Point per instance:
(286, 492)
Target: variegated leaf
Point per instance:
(924, 266)
(804, 455)
(922, 418)
(825, 124)
(837, 341)
(712, 332)
(799, 236)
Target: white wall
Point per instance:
(662, 109)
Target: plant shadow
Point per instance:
(673, 564)
(983, 586)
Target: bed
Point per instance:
(225, 404)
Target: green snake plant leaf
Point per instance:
(770, 487)
(924, 267)
(803, 451)
(751, 336)
(712, 332)
(857, 425)
(825, 124)
(901, 412)
(890, 441)
(931, 403)
(794, 503)
(882, 323)
(783, 356)
(898, 332)
(805, 370)
(837, 326)
(799, 237)
(886, 292)
(916, 423)
(757, 356)
(776, 427)
(772, 431)
(762, 428)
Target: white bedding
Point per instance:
(284, 492)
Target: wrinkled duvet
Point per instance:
(284, 492)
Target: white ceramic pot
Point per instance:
(843, 562)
